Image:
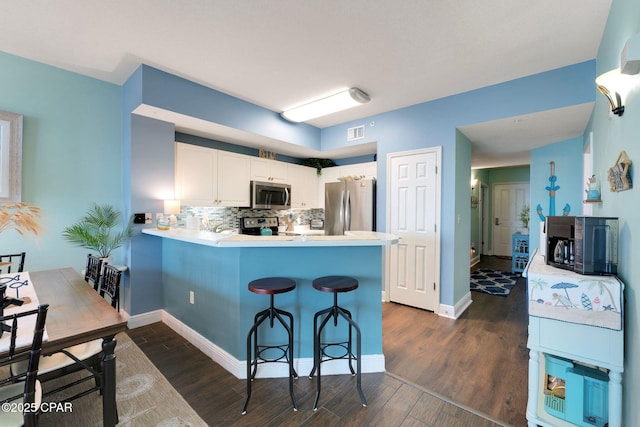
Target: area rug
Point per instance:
(143, 395)
(493, 282)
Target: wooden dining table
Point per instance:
(78, 314)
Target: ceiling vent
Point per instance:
(355, 133)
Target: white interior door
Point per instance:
(508, 200)
(413, 215)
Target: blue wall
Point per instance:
(224, 309)
(71, 153)
(141, 148)
(434, 124)
(78, 149)
(567, 156)
(424, 125)
(610, 136)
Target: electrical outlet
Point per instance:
(191, 297)
(147, 218)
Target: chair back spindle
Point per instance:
(93, 270)
(14, 262)
(22, 385)
(110, 284)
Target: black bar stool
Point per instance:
(335, 284)
(256, 353)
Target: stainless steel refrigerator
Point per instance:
(349, 205)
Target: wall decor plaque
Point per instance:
(619, 174)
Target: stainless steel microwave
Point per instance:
(270, 195)
(584, 244)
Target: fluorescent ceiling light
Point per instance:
(331, 104)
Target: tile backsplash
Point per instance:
(229, 217)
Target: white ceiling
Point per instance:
(282, 53)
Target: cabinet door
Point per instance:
(233, 179)
(304, 186)
(195, 175)
(268, 170)
(370, 170)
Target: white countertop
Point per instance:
(227, 240)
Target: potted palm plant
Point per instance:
(100, 229)
(524, 218)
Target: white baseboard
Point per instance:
(475, 260)
(238, 368)
(453, 312)
(142, 319)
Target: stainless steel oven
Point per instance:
(270, 195)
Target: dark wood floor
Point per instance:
(477, 362)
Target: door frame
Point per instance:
(484, 220)
(492, 203)
(438, 186)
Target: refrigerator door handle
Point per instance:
(347, 211)
(342, 208)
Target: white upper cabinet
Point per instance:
(268, 170)
(370, 170)
(196, 180)
(208, 177)
(233, 179)
(304, 186)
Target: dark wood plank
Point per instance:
(217, 396)
(442, 372)
(479, 360)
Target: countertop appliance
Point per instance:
(584, 244)
(349, 205)
(254, 225)
(270, 195)
(316, 224)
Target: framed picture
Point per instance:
(10, 157)
(619, 174)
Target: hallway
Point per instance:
(478, 361)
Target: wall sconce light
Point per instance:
(615, 86)
(340, 101)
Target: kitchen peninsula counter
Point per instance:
(351, 238)
(204, 288)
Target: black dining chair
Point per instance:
(13, 260)
(86, 356)
(93, 270)
(110, 285)
(22, 388)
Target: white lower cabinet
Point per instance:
(209, 177)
